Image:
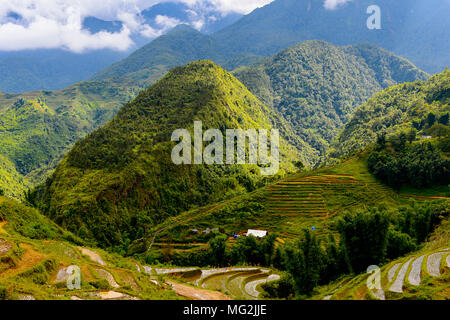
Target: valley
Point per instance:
(289, 153)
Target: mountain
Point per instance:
(120, 181)
(37, 128)
(180, 46)
(51, 69)
(417, 105)
(316, 85)
(205, 17)
(409, 28)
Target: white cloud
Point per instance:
(59, 23)
(333, 4)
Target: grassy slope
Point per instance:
(430, 288)
(37, 128)
(124, 181)
(304, 200)
(37, 249)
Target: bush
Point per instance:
(281, 289)
(399, 244)
(4, 294)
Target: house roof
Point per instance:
(257, 233)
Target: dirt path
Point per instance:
(197, 294)
(397, 286)
(92, 255)
(416, 268)
(108, 277)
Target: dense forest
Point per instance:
(316, 86)
(417, 106)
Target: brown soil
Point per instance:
(30, 259)
(197, 294)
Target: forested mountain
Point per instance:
(180, 46)
(37, 128)
(120, 180)
(50, 69)
(410, 28)
(416, 106)
(316, 85)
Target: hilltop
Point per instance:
(120, 181)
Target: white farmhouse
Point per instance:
(256, 233)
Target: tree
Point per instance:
(364, 235)
(439, 130)
(443, 119)
(411, 135)
(2, 192)
(431, 119)
(217, 248)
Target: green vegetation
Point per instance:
(35, 254)
(283, 23)
(419, 105)
(418, 165)
(316, 86)
(37, 128)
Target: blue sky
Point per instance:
(58, 24)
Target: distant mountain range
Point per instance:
(54, 69)
(410, 28)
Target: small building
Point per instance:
(256, 233)
(426, 137)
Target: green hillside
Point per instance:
(316, 86)
(416, 106)
(120, 180)
(37, 128)
(420, 275)
(35, 255)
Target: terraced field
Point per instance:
(423, 275)
(238, 283)
(305, 196)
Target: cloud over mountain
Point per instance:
(49, 24)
